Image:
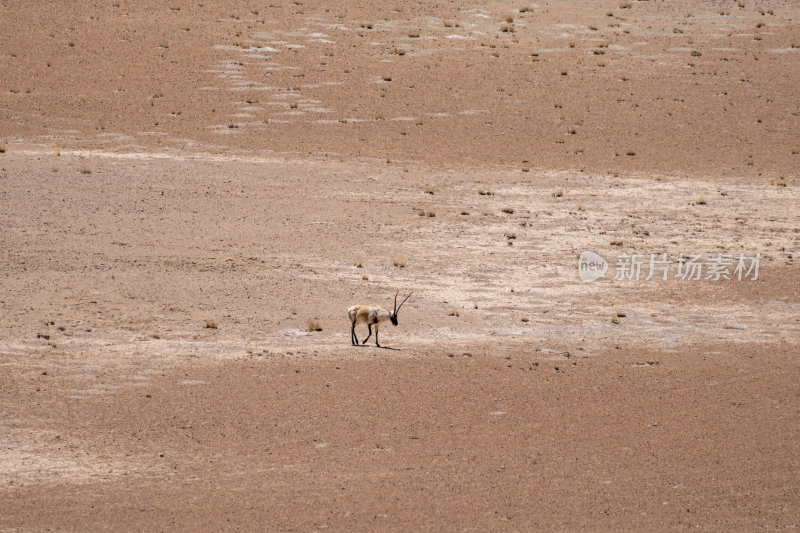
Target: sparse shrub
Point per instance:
(485, 193)
(454, 313)
(413, 34)
(509, 18)
(398, 263)
(524, 319)
(630, 153)
(430, 214)
(508, 210)
(428, 191)
(558, 194)
(86, 170)
(313, 325)
(2, 148)
(696, 53)
(616, 243)
(210, 324)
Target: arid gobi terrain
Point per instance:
(193, 193)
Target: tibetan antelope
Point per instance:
(372, 315)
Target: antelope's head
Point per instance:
(393, 316)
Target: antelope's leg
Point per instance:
(369, 327)
(353, 335)
(376, 336)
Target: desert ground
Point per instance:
(193, 193)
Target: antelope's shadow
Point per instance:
(377, 347)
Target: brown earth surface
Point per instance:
(190, 190)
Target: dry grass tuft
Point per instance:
(210, 324)
(313, 325)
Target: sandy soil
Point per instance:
(169, 167)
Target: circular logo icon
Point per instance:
(591, 266)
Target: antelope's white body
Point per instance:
(368, 314)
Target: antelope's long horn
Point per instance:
(394, 311)
(404, 301)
